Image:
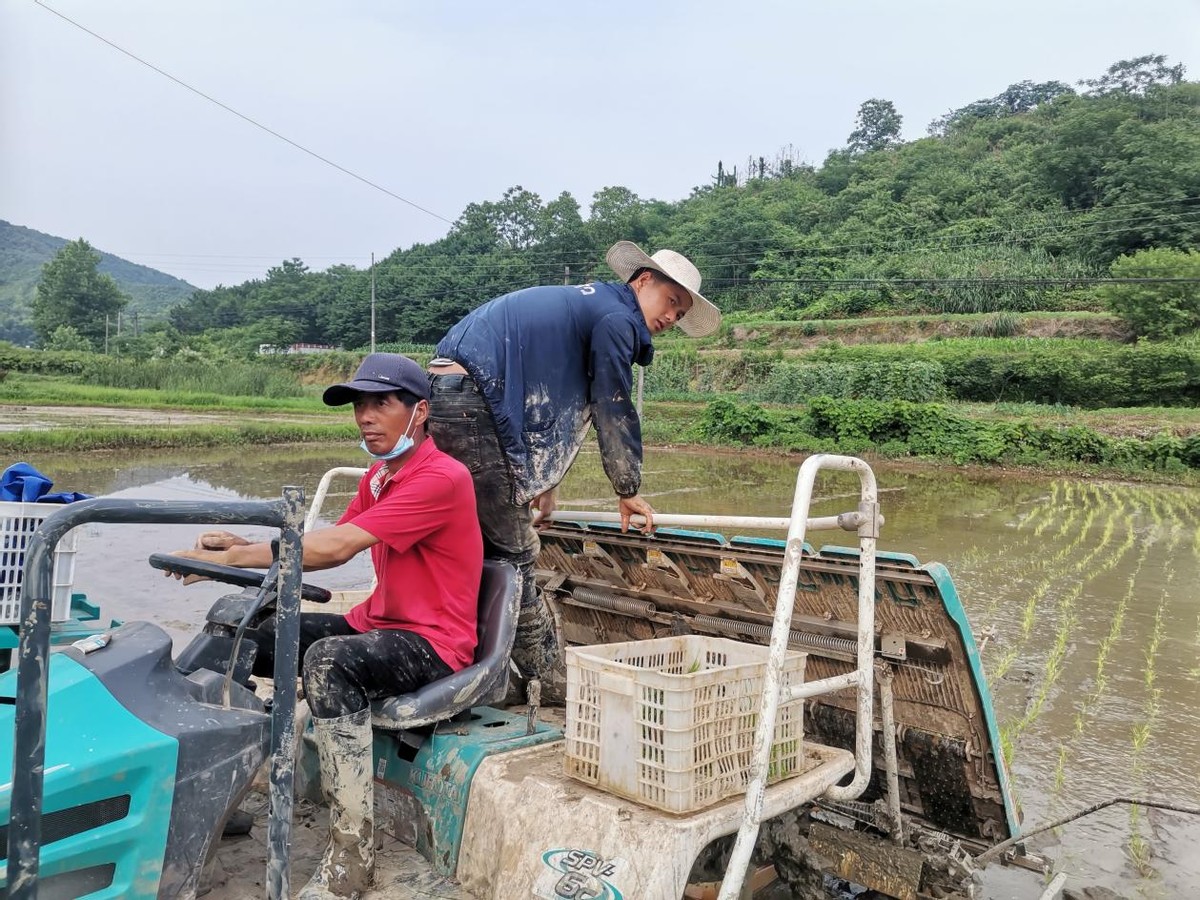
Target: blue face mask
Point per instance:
(402, 446)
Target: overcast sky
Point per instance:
(445, 104)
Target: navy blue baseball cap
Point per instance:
(378, 373)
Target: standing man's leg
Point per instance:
(462, 426)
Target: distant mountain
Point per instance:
(24, 251)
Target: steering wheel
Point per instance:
(168, 562)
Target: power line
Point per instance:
(243, 116)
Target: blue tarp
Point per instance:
(22, 483)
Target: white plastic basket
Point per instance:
(670, 722)
(18, 522)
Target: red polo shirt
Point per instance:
(429, 558)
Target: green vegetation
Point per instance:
(41, 391)
(1153, 308)
(73, 295)
(76, 440)
(898, 299)
(898, 428)
(1015, 203)
(23, 253)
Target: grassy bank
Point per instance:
(41, 390)
(78, 439)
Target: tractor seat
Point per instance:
(484, 681)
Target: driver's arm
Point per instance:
(323, 549)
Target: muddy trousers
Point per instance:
(348, 864)
(462, 426)
(343, 670)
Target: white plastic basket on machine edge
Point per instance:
(670, 722)
(18, 522)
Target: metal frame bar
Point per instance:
(862, 677)
(846, 521)
(283, 710)
(318, 499)
(33, 659)
(887, 720)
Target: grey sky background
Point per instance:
(451, 103)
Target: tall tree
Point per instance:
(1022, 97)
(876, 126)
(1135, 76)
(73, 292)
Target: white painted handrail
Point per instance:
(318, 500)
(847, 521)
(862, 677)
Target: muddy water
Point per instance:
(1085, 593)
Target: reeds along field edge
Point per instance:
(35, 391)
(141, 437)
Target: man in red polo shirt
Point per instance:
(415, 510)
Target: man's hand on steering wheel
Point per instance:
(199, 565)
(217, 557)
(219, 540)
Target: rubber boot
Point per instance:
(348, 865)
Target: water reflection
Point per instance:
(1084, 593)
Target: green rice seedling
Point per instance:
(1067, 619)
(1060, 770)
(1060, 496)
(1100, 681)
(1142, 732)
(1140, 855)
(1006, 745)
(1030, 613)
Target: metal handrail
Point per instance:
(846, 521)
(862, 677)
(318, 499)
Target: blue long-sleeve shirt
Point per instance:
(549, 361)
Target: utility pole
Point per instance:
(566, 274)
(372, 302)
(106, 334)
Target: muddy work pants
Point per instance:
(343, 670)
(462, 426)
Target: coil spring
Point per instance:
(614, 602)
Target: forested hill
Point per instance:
(23, 252)
(1014, 202)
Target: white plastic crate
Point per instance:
(670, 722)
(18, 522)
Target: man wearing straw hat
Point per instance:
(516, 383)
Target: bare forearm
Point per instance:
(323, 549)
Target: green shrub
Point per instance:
(899, 428)
(1082, 373)
(1156, 309)
(794, 383)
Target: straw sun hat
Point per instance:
(626, 257)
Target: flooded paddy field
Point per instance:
(1084, 595)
